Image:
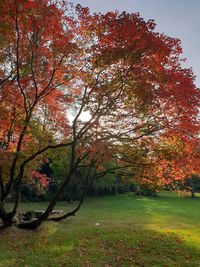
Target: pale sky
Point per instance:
(176, 18)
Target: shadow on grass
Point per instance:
(122, 238)
(54, 245)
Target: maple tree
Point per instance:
(33, 66)
(57, 60)
(168, 160)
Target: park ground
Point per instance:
(122, 230)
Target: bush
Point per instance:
(145, 190)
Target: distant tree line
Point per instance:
(111, 184)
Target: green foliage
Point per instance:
(145, 190)
(105, 183)
(193, 182)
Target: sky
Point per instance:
(175, 18)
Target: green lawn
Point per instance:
(132, 231)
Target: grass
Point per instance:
(122, 230)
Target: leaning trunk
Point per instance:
(36, 223)
(17, 200)
(71, 213)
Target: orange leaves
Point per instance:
(181, 156)
(114, 66)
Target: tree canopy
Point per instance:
(57, 60)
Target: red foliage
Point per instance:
(115, 66)
(42, 179)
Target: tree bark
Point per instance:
(192, 188)
(4, 216)
(17, 200)
(74, 211)
(36, 223)
(71, 213)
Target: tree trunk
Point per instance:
(17, 200)
(192, 187)
(192, 193)
(36, 223)
(71, 213)
(4, 216)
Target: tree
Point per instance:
(114, 67)
(35, 57)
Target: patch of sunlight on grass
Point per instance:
(61, 249)
(145, 199)
(51, 228)
(188, 236)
